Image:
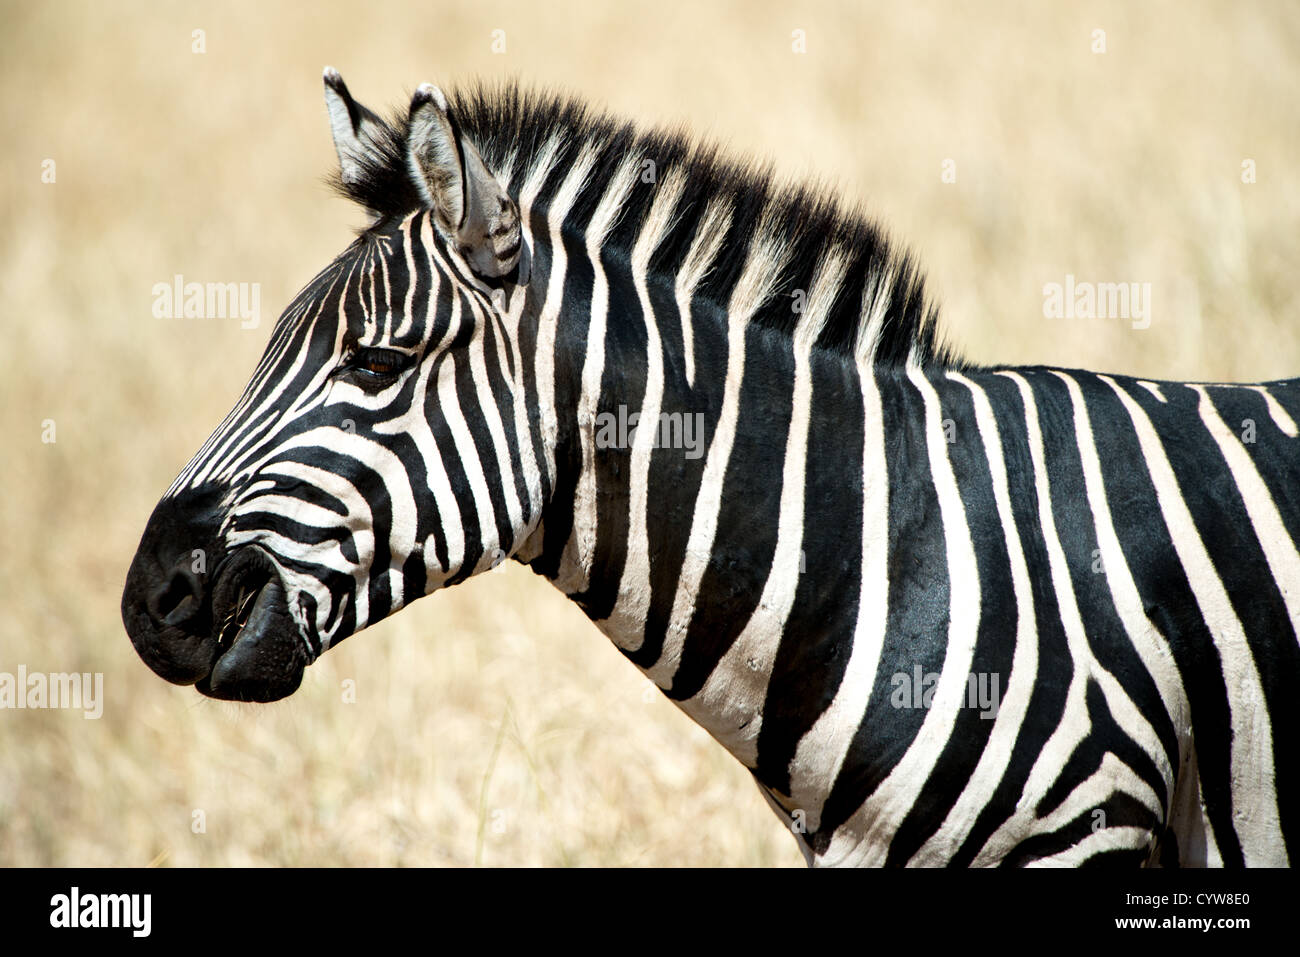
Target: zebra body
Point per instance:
(944, 614)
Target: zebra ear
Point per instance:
(357, 131)
(470, 205)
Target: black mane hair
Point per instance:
(513, 128)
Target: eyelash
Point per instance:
(377, 366)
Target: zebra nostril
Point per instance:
(178, 599)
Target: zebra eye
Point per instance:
(377, 365)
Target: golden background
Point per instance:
(492, 723)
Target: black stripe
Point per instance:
(621, 393)
(675, 480)
(917, 627)
(813, 654)
(995, 639)
(748, 516)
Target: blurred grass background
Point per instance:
(492, 723)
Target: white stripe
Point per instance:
(581, 547)
(388, 295)
(547, 322)
(408, 312)
(730, 704)
(541, 359)
(875, 305)
(821, 752)
(626, 623)
(465, 450)
(709, 235)
(1278, 414)
(1153, 389)
(767, 255)
(510, 356)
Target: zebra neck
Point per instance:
(686, 501)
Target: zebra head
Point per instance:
(371, 457)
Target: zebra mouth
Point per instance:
(258, 655)
(241, 611)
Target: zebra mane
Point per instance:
(875, 307)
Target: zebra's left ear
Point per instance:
(470, 206)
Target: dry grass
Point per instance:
(493, 724)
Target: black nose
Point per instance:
(167, 601)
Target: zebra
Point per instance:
(946, 614)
